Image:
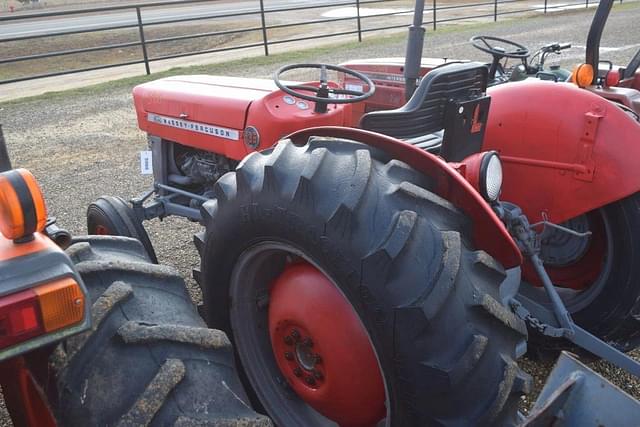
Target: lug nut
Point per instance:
(310, 380)
(297, 372)
(295, 334)
(318, 375)
(288, 355)
(307, 342)
(288, 340)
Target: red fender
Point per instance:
(490, 233)
(565, 150)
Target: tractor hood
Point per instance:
(194, 98)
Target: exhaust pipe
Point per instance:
(413, 56)
(5, 161)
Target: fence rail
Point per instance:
(261, 12)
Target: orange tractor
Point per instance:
(97, 334)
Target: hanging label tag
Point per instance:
(146, 163)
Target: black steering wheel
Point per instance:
(324, 94)
(506, 49)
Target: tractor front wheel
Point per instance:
(351, 295)
(113, 216)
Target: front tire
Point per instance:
(113, 216)
(398, 256)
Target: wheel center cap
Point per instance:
(305, 357)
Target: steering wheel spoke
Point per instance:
(323, 75)
(304, 87)
(346, 92)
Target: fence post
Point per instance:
(435, 19)
(586, 4)
(359, 22)
(545, 6)
(495, 10)
(264, 29)
(143, 42)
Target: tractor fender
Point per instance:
(565, 150)
(489, 233)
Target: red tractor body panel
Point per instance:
(205, 112)
(211, 112)
(489, 233)
(275, 118)
(566, 151)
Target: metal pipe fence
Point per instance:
(363, 14)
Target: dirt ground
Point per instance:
(84, 145)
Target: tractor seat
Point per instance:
(430, 142)
(421, 121)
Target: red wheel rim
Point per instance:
(583, 273)
(102, 230)
(322, 348)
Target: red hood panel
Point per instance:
(196, 97)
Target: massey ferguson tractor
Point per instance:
(382, 262)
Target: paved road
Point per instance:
(37, 26)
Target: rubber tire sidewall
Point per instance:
(115, 214)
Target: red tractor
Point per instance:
(358, 250)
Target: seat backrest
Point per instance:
(425, 112)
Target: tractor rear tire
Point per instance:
(398, 253)
(149, 358)
(113, 216)
(609, 306)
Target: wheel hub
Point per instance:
(300, 357)
(560, 248)
(323, 350)
(102, 230)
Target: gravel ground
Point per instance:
(86, 145)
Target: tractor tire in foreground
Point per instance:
(352, 295)
(148, 359)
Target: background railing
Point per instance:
(55, 43)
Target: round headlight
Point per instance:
(491, 176)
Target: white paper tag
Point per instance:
(146, 163)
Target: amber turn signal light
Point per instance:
(61, 303)
(22, 208)
(583, 75)
(40, 310)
